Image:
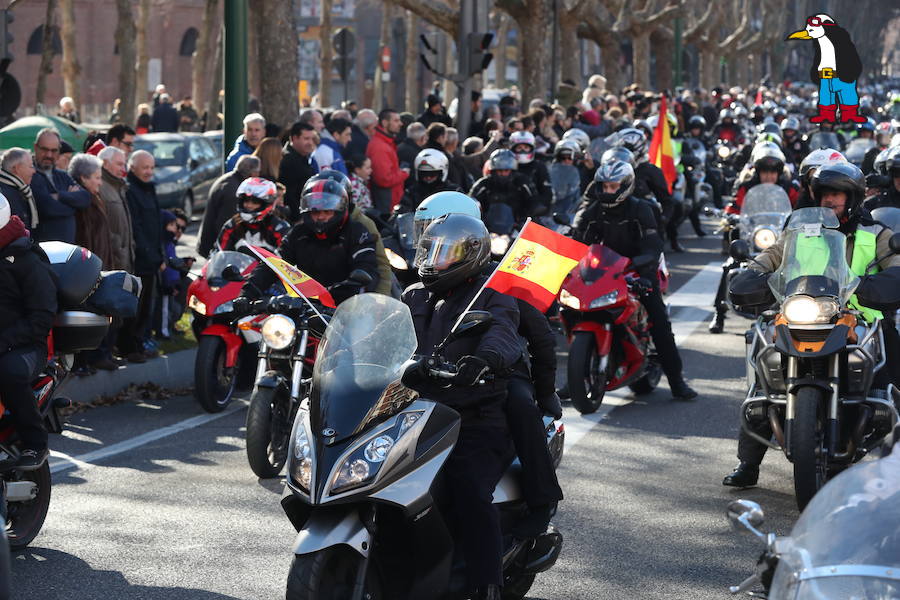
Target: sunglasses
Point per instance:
(817, 22)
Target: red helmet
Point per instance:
(324, 195)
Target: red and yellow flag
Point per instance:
(536, 265)
(296, 282)
(661, 152)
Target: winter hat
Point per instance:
(65, 147)
(597, 81)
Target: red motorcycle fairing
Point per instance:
(233, 342)
(602, 334)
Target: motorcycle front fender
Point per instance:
(273, 380)
(233, 342)
(334, 526)
(603, 335)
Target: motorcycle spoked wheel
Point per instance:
(214, 383)
(807, 446)
(268, 432)
(648, 382)
(25, 519)
(587, 383)
(330, 574)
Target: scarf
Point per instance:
(12, 231)
(13, 181)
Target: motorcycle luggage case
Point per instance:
(77, 270)
(75, 331)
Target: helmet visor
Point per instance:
(439, 253)
(316, 201)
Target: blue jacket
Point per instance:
(337, 161)
(57, 215)
(146, 223)
(240, 149)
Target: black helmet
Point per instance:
(502, 159)
(613, 171)
(452, 249)
(323, 195)
(696, 121)
(842, 177)
(333, 175)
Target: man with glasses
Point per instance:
(122, 137)
(56, 195)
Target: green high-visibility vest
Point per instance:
(812, 254)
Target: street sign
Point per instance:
(344, 42)
(386, 59)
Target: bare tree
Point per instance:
(71, 67)
(327, 53)
(637, 19)
(501, 24)
(411, 63)
(143, 56)
(278, 49)
(662, 45)
(384, 41)
(534, 19)
(443, 14)
(256, 29)
(570, 15)
(213, 106)
(125, 42)
(199, 66)
(596, 26)
(46, 67)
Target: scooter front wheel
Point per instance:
(214, 382)
(587, 373)
(330, 574)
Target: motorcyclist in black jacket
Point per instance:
(27, 308)
(325, 244)
(611, 216)
(522, 144)
(452, 255)
(505, 185)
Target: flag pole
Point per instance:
(488, 280)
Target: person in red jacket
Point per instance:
(768, 167)
(387, 178)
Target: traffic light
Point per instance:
(478, 56)
(6, 36)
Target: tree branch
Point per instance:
(696, 29)
(438, 13)
(666, 12)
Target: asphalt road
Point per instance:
(160, 503)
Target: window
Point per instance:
(189, 42)
(36, 41)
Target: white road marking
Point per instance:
(87, 460)
(691, 306)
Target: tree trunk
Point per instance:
(570, 57)
(256, 30)
(46, 54)
(501, 50)
(212, 106)
(663, 45)
(611, 57)
(640, 59)
(199, 66)
(411, 66)
(278, 51)
(327, 54)
(71, 68)
(125, 41)
(379, 100)
(708, 63)
(141, 85)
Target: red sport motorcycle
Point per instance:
(608, 328)
(227, 348)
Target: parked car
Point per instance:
(217, 138)
(186, 166)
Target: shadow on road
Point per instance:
(32, 580)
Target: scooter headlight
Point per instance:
(723, 152)
(763, 238)
(301, 465)
(278, 332)
(397, 261)
(570, 300)
(806, 310)
(605, 299)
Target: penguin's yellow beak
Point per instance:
(799, 35)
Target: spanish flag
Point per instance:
(536, 265)
(296, 282)
(661, 153)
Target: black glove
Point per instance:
(874, 180)
(241, 305)
(551, 405)
(283, 303)
(470, 370)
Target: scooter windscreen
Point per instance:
(356, 376)
(598, 261)
(846, 543)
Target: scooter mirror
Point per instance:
(894, 243)
(361, 277)
(472, 323)
(231, 273)
(746, 513)
(739, 250)
(562, 218)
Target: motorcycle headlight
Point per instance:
(567, 299)
(499, 243)
(225, 307)
(195, 304)
(806, 310)
(763, 238)
(301, 465)
(723, 152)
(605, 299)
(397, 261)
(278, 332)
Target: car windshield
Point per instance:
(846, 543)
(220, 260)
(813, 249)
(167, 153)
(357, 371)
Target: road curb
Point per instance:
(171, 371)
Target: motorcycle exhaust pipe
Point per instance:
(776, 425)
(859, 430)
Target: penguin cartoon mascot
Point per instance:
(836, 68)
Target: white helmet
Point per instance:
(581, 138)
(431, 161)
(5, 213)
(522, 137)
